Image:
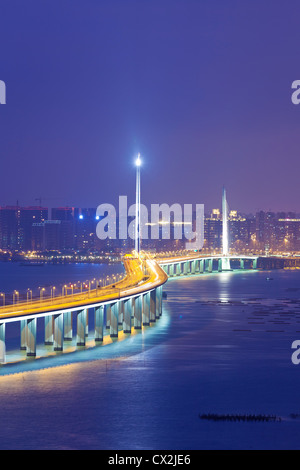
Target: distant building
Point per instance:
(70, 229)
(46, 236)
(16, 226)
(67, 226)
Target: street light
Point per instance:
(41, 292)
(15, 296)
(3, 295)
(29, 293)
(53, 292)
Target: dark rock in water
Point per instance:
(238, 417)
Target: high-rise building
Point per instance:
(16, 226)
(67, 226)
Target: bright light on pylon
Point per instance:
(138, 161)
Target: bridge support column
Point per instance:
(48, 332)
(31, 337)
(99, 323)
(127, 316)
(2, 343)
(220, 265)
(158, 301)
(146, 309)
(68, 333)
(108, 315)
(171, 270)
(254, 264)
(87, 322)
(138, 312)
(81, 328)
(210, 265)
(201, 265)
(58, 327)
(242, 264)
(193, 267)
(121, 312)
(114, 320)
(185, 268)
(178, 269)
(153, 306)
(23, 335)
(226, 264)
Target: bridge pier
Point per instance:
(99, 323)
(178, 269)
(193, 267)
(87, 322)
(127, 316)
(171, 270)
(158, 302)
(220, 265)
(138, 312)
(254, 264)
(114, 319)
(242, 264)
(58, 327)
(48, 332)
(68, 332)
(226, 264)
(81, 328)
(209, 265)
(108, 315)
(23, 335)
(2, 343)
(185, 268)
(201, 266)
(153, 306)
(146, 309)
(121, 312)
(31, 337)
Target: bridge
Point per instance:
(197, 263)
(133, 302)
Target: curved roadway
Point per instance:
(142, 275)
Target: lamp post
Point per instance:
(138, 204)
(3, 295)
(29, 295)
(15, 296)
(53, 292)
(42, 289)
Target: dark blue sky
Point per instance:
(201, 88)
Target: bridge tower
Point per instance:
(225, 265)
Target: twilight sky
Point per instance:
(201, 88)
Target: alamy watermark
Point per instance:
(187, 222)
(2, 92)
(296, 354)
(296, 94)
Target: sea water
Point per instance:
(222, 346)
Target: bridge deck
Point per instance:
(134, 283)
